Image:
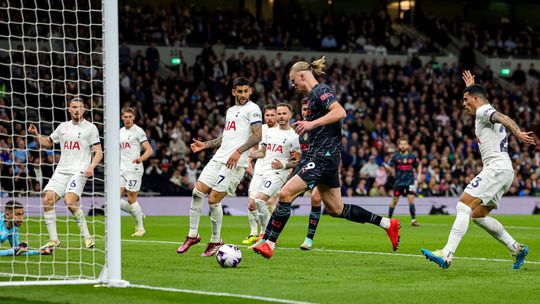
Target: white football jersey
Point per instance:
(492, 139)
(130, 147)
(76, 141)
(279, 145)
(259, 162)
(237, 130)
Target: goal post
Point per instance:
(50, 52)
(112, 147)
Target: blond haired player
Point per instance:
(78, 139)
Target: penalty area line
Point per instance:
(218, 294)
(353, 252)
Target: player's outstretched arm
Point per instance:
(214, 143)
(468, 77)
(44, 141)
(254, 139)
(526, 137)
(335, 113)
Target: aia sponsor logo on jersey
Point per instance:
(125, 145)
(230, 125)
(72, 145)
(275, 148)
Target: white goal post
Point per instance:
(50, 52)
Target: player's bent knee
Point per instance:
(252, 206)
(197, 194)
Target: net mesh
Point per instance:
(50, 52)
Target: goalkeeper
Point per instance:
(10, 221)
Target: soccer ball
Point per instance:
(228, 256)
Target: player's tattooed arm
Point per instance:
(512, 126)
(258, 153)
(214, 143)
(254, 138)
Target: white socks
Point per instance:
(252, 224)
(125, 206)
(195, 212)
(135, 210)
(458, 230)
(385, 223)
(216, 218)
(256, 217)
(496, 229)
(81, 222)
(263, 213)
(137, 214)
(50, 222)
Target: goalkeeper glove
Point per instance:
(23, 247)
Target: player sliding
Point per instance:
(10, 221)
(226, 168)
(323, 126)
(483, 193)
(404, 164)
(132, 138)
(277, 146)
(78, 138)
(269, 113)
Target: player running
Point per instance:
(323, 126)
(132, 138)
(226, 168)
(269, 113)
(78, 139)
(10, 221)
(277, 147)
(404, 164)
(483, 193)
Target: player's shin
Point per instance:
(277, 222)
(461, 224)
(360, 215)
(263, 213)
(81, 222)
(496, 229)
(216, 219)
(50, 222)
(125, 206)
(195, 212)
(314, 217)
(252, 224)
(137, 213)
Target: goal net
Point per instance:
(50, 52)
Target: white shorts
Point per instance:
(131, 180)
(62, 183)
(272, 184)
(490, 185)
(217, 176)
(255, 185)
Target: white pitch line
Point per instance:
(354, 252)
(512, 227)
(219, 294)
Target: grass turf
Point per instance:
(340, 269)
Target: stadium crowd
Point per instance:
(504, 39)
(180, 26)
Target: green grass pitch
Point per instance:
(350, 263)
